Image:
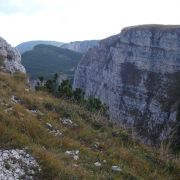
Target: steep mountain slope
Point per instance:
(42, 137)
(81, 46)
(29, 45)
(45, 60)
(137, 74)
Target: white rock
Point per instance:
(27, 90)
(33, 111)
(49, 125)
(98, 164)
(15, 163)
(77, 152)
(67, 121)
(75, 165)
(14, 99)
(52, 130)
(12, 58)
(116, 168)
(73, 154)
(76, 157)
(8, 109)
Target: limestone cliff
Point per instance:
(137, 74)
(10, 59)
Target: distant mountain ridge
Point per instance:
(45, 60)
(81, 46)
(29, 45)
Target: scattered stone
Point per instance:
(52, 130)
(33, 111)
(74, 154)
(96, 145)
(8, 109)
(116, 168)
(75, 165)
(104, 161)
(27, 90)
(49, 126)
(98, 164)
(56, 132)
(3, 103)
(75, 157)
(40, 113)
(15, 164)
(16, 100)
(67, 121)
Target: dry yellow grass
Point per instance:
(20, 127)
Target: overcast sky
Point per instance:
(71, 20)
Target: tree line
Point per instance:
(65, 90)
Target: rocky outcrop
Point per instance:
(137, 74)
(17, 164)
(10, 59)
(80, 46)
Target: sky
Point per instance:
(72, 20)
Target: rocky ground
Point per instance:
(17, 164)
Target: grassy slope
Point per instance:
(20, 128)
(45, 60)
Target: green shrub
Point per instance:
(1, 60)
(94, 104)
(49, 86)
(65, 89)
(49, 106)
(78, 95)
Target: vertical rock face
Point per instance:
(137, 74)
(10, 59)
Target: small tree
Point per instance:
(55, 78)
(94, 104)
(39, 84)
(55, 82)
(1, 60)
(78, 95)
(49, 86)
(41, 79)
(65, 89)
